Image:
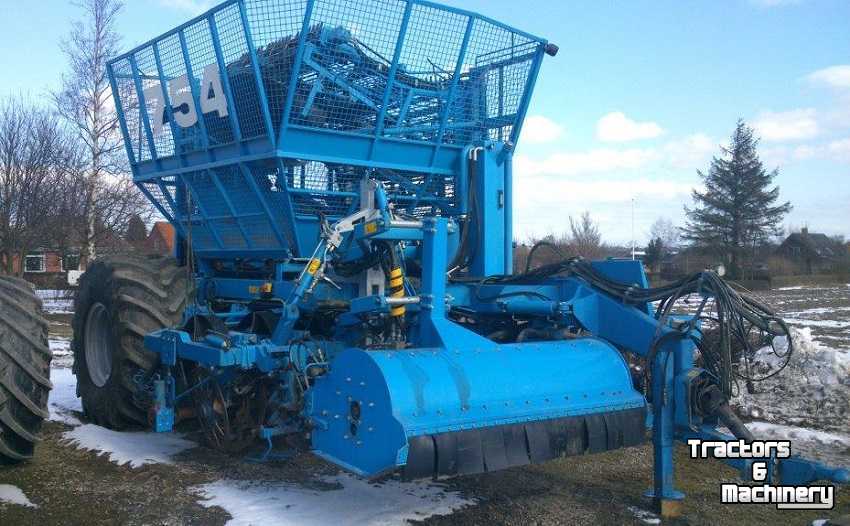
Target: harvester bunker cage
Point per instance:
(291, 103)
(340, 177)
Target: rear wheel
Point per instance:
(120, 300)
(24, 369)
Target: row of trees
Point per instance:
(737, 213)
(63, 175)
(583, 239)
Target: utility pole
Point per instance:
(633, 228)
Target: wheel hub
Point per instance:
(98, 345)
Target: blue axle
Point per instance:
(343, 194)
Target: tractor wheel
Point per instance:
(24, 370)
(120, 300)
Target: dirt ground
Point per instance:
(71, 486)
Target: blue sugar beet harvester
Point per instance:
(339, 176)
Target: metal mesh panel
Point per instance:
(188, 139)
(274, 26)
(240, 72)
(347, 57)
(319, 188)
(202, 55)
(135, 137)
(458, 79)
(383, 70)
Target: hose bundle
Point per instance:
(729, 328)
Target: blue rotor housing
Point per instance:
(445, 411)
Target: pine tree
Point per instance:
(654, 254)
(738, 207)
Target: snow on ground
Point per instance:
(61, 350)
(13, 495)
(780, 432)
(63, 402)
(817, 323)
(135, 448)
(353, 501)
(348, 499)
(56, 301)
(646, 517)
(829, 448)
(813, 391)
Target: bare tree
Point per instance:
(107, 217)
(100, 182)
(664, 229)
(586, 240)
(32, 153)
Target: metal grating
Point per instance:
(389, 71)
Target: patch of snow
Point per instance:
(61, 350)
(135, 449)
(56, 301)
(819, 310)
(63, 401)
(813, 391)
(790, 288)
(59, 346)
(354, 501)
(820, 522)
(14, 495)
(768, 431)
(817, 323)
(646, 517)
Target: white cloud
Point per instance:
(540, 191)
(693, 151)
(616, 127)
(538, 129)
(833, 76)
(787, 125)
(839, 150)
(690, 152)
(591, 161)
(194, 7)
(543, 203)
(836, 150)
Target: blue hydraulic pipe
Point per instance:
(509, 213)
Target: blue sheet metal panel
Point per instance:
(416, 392)
(622, 270)
(490, 257)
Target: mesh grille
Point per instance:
(386, 70)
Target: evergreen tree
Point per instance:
(137, 232)
(738, 207)
(654, 254)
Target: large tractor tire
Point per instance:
(120, 300)
(24, 370)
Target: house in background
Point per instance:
(810, 252)
(49, 268)
(160, 240)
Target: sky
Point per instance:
(640, 97)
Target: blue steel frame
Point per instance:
(182, 185)
(162, 171)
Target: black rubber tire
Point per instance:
(140, 295)
(24, 370)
